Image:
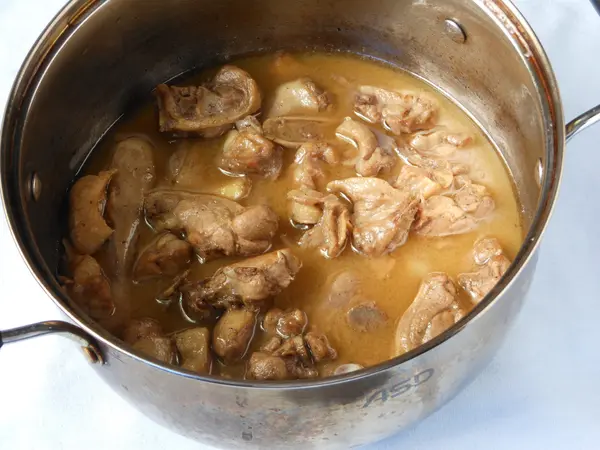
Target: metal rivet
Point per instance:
(539, 172)
(35, 186)
(455, 31)
(91, 355)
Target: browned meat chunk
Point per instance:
(89, 287)
(263, 366)
(285, 324)
(233, 333)
(440, 216)
(293, 131)
(491, 264)
(417, 181)
(438, 170)
(139, 328)
(194, 349)
(305, 206)
(371, 158)
(366, 317)
(331, 232)
(230, 96)
(250, 282)
(398, 112)
(299, 96)
(166, 255)
(473, 198)
(87, 199)
(247, 151)
(319, 347)
(214, 226)
(294, 346)
(434, 310)
(439, 143)
(308, 170)
(382, 215)
(146, 336)
(135, 175)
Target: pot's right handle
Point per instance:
(582, 122)
(86, 341)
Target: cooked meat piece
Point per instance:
(285, 324)
(305, 206)
(214, 226)
(271, 345)
(473, 198)
(233, 333)
(366, 317)
(146, 336)
(157, 347)
(140, 328)
(319, 347)
(299, 96)
(491, 264)
(230, 96)
(398, 112)
(294, 346)
(194, 349)
(293, 131)
(371, 158)
(135, 175)
(307, 163)
(439, 143)
(434, 309)
(347, 368)
(88, 229)
(249, 124)
(345, 286)
(331, 233)
(250, 282)
(166, 255)
(417, 181)
(263, 366)
(439, 170)
(382, 215)
(89, 287)
(247, 151)
(440, 216)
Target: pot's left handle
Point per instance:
(583, 121)
(87, 342)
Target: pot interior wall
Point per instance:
(115, 52)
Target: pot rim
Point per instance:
(507, 18)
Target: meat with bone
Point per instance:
(166, 255)
(307, 167)
(247, 151)
(146, 336)
(214, 226)
(248, 282)
(434, 310)
(133, 162)
(490, 265)
(208, 110)
(87, 199)
(299, 96)
(398, 112)
(382, 215)
(371, 157)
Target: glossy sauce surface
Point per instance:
(391, 281)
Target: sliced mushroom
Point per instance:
(87, 199)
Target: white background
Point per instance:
(541, 391)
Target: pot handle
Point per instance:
(583, 121)
(88, 344)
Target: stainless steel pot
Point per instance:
(99, 57)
